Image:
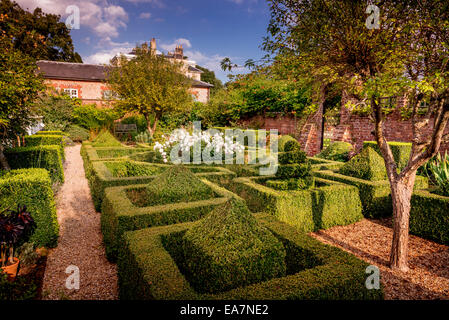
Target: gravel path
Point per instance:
(370, 240)
(80, 241)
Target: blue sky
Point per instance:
(208, 30)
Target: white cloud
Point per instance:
(145, 15)
(171, 46)
(104, 56)
(99, 16)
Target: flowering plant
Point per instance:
(214, 143)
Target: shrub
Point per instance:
(367, 165)
(125, 169)
(177, 184)
(293, 171)
(292, 183)
(323, 164)
(105, 139)
(119, 214)
(328, 204)
(45, 156)
(401, 151)
(283, 141)
(437, 169)
(294, 156)
(374, 195)
(93, 118)
(51, 133)
(78, 134)
(148, 269)
(33, 188)
(45, 140)
(429, 216)
(228, 249)
(336, 151)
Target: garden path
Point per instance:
(80, 241)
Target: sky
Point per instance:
(209, 30)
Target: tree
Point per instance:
(150, 85)
(19, 87)
(39, 35)
(406, 55)
(209, 77)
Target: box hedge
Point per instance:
(374, 195)
(429, 216)
(46, 156)
(367, 165)
(33, 188)
(147, 269)
(100, 176)
(119, 214)
(323, 164)
(105, 139)
(401, 151)
(44, 140)
(51, 133)
(229, 249)
(328, 204)
(336, 151)
(284, 140)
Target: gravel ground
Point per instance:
(370, 240)
(80, 241)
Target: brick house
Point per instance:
(87, 81)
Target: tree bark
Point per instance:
(401, 193)
(3, 161)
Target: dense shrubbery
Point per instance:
(45, 156)
(367, 165)
(148, 268)
(401, 151)
(105, 139)
(124, 169)
(77, 133)
(92, 118)
(33, 188)
(337, 151)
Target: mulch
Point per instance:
(370, 240)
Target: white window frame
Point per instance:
(72, 93)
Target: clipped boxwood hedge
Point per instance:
(336, 151)
(33, 188)
(324, 164)
(429, 216)
(46, 139)
(119, 214)
(100, 177)
(147, 269)
(401, 151)
(374, 195)
(51, 133)
(284, 140)
(328, 204)
(46, 156)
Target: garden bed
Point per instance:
(149, 269)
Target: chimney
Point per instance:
(179, 52)
(153, 46)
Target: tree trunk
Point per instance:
(3, 161)
(401, 193)
(152, 128)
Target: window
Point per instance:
(72, 93)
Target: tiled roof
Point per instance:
(193, 69)
(197, 83)
(72, 71)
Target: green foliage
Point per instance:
(148, 269)
(177, 184)
(121, 169)
(209, 77)
(292, 157)
(228, 249)
(119, 214)
(105, 139)
(288, 171)
(283, 141)
(149, 85)
(56, 111)
(437, 170)
(401, 151)
(91, 117)
(328, 204)
(37, 34)
(367, 165)
(33, 188)
(138, 120)
(19, 86)
(50, 133)
(292, 183)
(429, 216)
(257, 94)
(144, 137)
(77, 133)
(336, 151)
(20, 289)
(374, 195)
(44, 156)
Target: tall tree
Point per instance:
(39, 35)
(209, 77)
(19, 87)
(406, 52)
(150, 85)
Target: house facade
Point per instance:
(88, 81)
